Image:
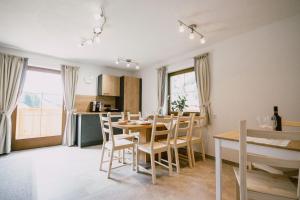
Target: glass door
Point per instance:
(38, 118)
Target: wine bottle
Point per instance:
(276, 120)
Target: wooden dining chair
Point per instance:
(256, 184)
(137, 116)
(279, 171)
(153, 147)
(124, 135)
(197, 138)
(112, 145)
(181, 139)
(132, 116)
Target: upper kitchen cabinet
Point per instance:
(130, 97)
(108, 85)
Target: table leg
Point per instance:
(218, 157)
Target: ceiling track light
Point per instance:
(97, 30)
(193, 31)
(128, 62)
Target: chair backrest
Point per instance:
(106, 129)
(197, 125)
(119, 115)
(168, 122)
(131, 116)
(184, 127)
(258, 158)
(290, 123)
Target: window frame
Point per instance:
(183, 71)
(30, 143)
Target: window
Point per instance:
(39, 113)
(183, 84)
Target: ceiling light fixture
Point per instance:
(192, 36)
(97, 30)
(202, 40)
(193, 31)
(128, 62)
(181, 28)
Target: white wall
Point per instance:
(250, 73)
(85, 70)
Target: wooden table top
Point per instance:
(293, 145)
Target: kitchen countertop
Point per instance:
(91, 113)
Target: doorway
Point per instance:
(38, 118)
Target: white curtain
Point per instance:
(70, 79)
(12, 76)
(202, 73)
(161, 89)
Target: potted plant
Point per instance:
(179, 104)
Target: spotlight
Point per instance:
(202, 40)
(181, 28)
(97, 30)
(192, 36)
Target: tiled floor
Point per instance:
(63, 173)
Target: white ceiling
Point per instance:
(143, 30)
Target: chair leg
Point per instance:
(110, 163)
(237, 190)
(203, 150)
(152, 155)
(170, 162)
(101, 158)
(192, 153)
(137, 160)
(119, 156)
(159, 157)
(123, 156)
(189, 156)
(133, 158)
(177, 160)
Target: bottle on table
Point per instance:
(276, 120)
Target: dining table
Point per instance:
(145, 131)
(230, 140)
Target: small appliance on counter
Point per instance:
(108, 108)
(95, 106)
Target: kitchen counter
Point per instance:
(88, 129)
(93, 113)
(89, 113)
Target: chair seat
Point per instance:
(258, 181)
(172, 141)
(193, 138)
(120, 144)
(157, 147)
(135, 134)
(123, 136)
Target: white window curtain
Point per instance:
(202, 73)
(161, 89)
(70, 79)
(12, 75)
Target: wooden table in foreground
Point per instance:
(230, 140)
(145, 134)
